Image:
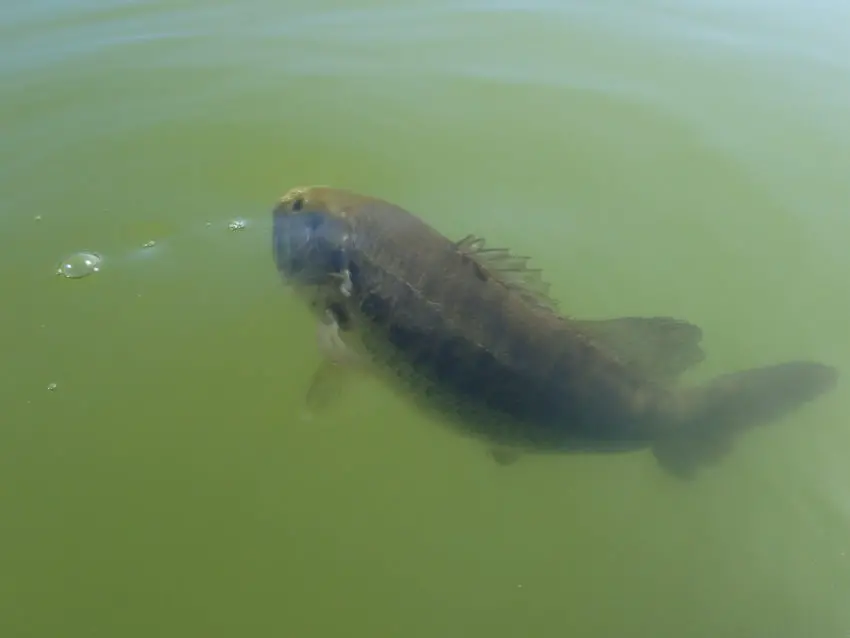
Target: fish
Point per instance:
(471, 333)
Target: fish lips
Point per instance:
(307, 245)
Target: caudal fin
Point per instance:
(711, 415)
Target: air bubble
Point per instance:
(80, 265)
(237, 224)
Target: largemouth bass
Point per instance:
(470, 331)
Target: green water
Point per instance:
(686, 159)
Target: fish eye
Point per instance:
(298, 204)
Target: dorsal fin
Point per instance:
(660, 348)
(511, 270)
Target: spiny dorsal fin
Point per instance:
(511, 270)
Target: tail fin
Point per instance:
(711, 415)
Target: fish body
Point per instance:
(470, 331)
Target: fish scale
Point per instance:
(468, 333)
(471, 332)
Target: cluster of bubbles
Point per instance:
(84, 263)
(80, 265)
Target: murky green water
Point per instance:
(688, 159)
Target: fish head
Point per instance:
(311, 236)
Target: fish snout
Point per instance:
(307, 244)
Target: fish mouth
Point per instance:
(306, 244)
(291, 238)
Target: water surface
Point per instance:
(655, 158)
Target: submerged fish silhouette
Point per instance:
(470, 331)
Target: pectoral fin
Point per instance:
(504, 455)
(326, 385)
(330, 342)
(335, 370)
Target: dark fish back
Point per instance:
(462, 337)
(471, 330)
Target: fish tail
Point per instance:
(708, 417)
